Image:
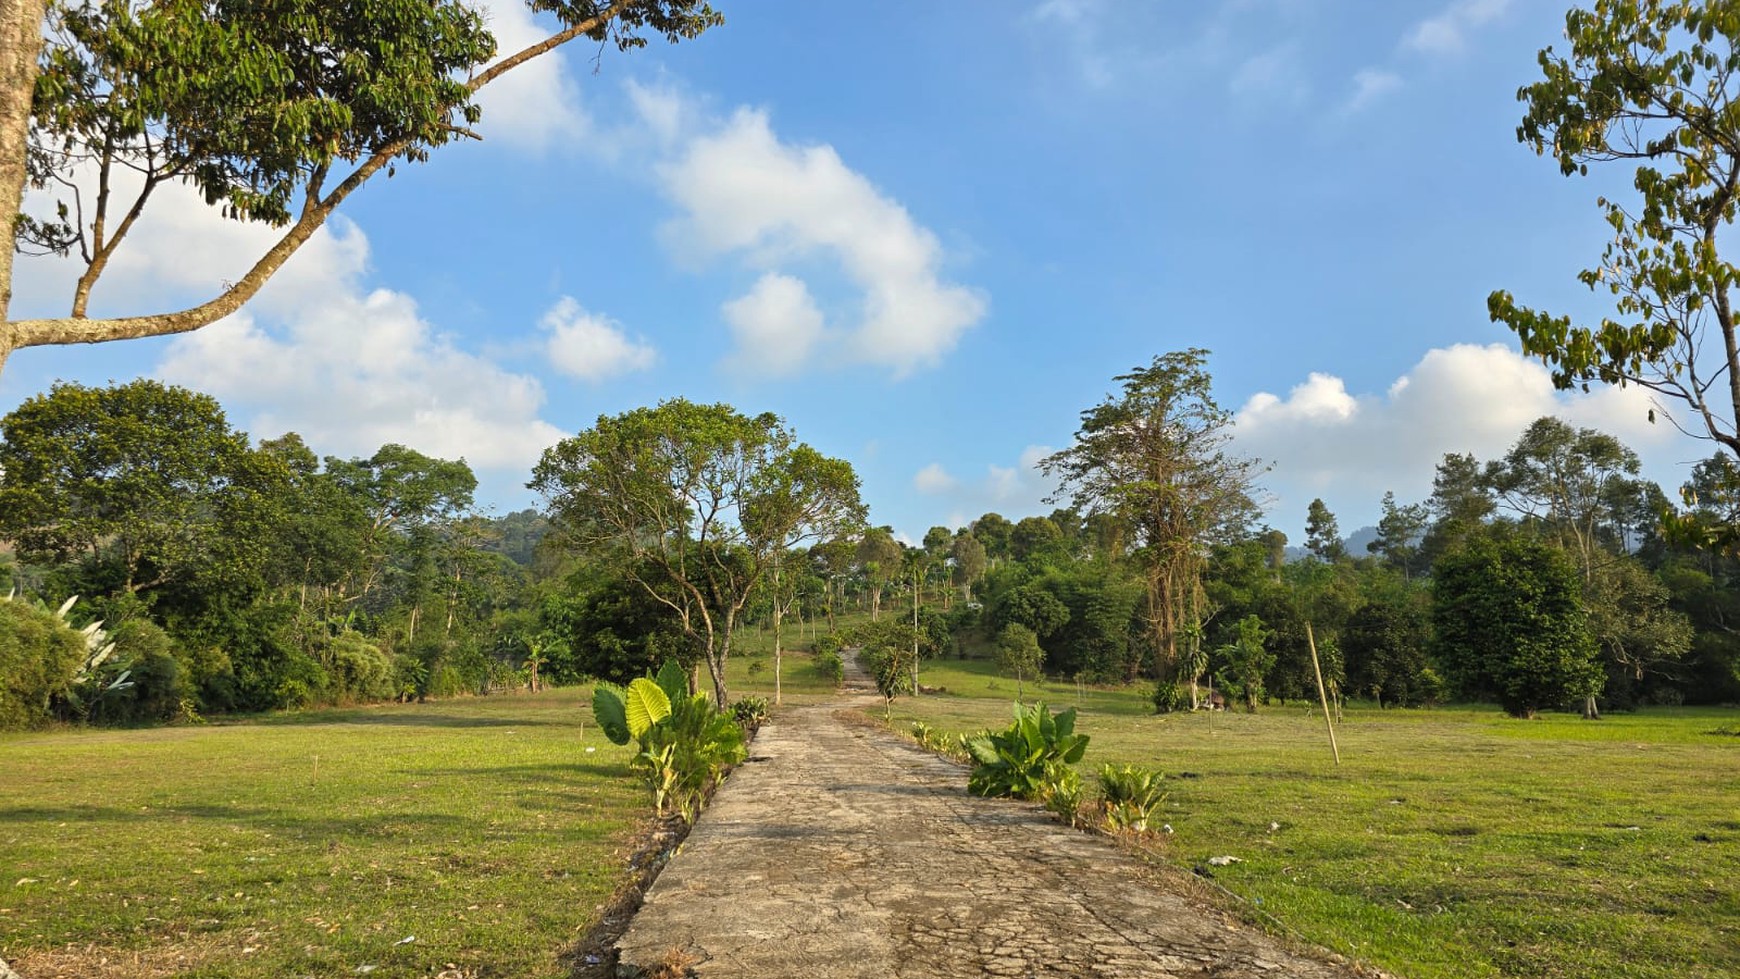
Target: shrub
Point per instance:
(159, 684)
(686, 745)
(829, 665)
(360, 670)
(1029, 758)
(750, 713)
(1065, 796)
(1129, 797)
(40, 656)
(1169, 696)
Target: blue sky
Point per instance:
(929, 235)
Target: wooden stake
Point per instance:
(1322, 694)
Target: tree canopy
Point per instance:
(276, 112)
(699, 500)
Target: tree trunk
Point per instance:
(778, 616)
(20, 45)
(875, 602)
(1591, 711)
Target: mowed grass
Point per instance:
(1449, 843)
(470, 838)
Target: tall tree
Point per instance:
(1649, 82)
(1399, 532)
(1561, 479)
(697, 500)
(1157, 455)
(276, 112)
(1322, 533)
(969, 560)
(145, 479)
(1510, 622)
(879, 557)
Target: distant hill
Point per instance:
(520, 533)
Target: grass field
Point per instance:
(1449, 843)
(466, 838)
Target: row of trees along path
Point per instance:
(841, 850)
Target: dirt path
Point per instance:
(843, 851)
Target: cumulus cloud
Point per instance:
(1370, 85)
(536, 105)
(352, 370)
(1274, 74)
(934, 479)
(744, 192)
(776, 325)
(1447, 31)
(1015, 491)
(589, 346)
(1348, 449)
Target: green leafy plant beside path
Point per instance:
(686, 744)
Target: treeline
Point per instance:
(236, 577)
(1542, 579)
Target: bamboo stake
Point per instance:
(1322, 694)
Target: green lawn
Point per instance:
(1449, 843)
(469, 838)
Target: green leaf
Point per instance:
(609, 708)
(673, 680)
(645, 704)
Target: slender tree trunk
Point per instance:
(778, 615)
(20, 44)
(915, 635)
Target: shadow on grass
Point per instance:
(379, 824)
(398, 717)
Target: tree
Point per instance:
(994, 530)
(144, 479)
(1018, 654)
(1561, 479)
(277, 112)
(1510, 622)
(698, 501)
(1037, 540)
(1248, 658)
(879, 555)
(1322, 534)
(1650, 82)
(1157, 456)
(1399, 531)
(969, 559)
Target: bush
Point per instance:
(360, 670)
(1169, 696)
(1129, 797)
(829, 665)
(1029, 759)
(686, 745)
(40, 656)
(160, 684)
(750, 713)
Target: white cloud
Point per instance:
(537, 104)
(1273, 74)
(1348, 449)
(589, 346)
(1447, 32)
(1015, 491)
(1369, 86)
(934, 479)
(744, 192)
(776, 325)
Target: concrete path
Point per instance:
(843, 851)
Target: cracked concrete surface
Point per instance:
(840, 850)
